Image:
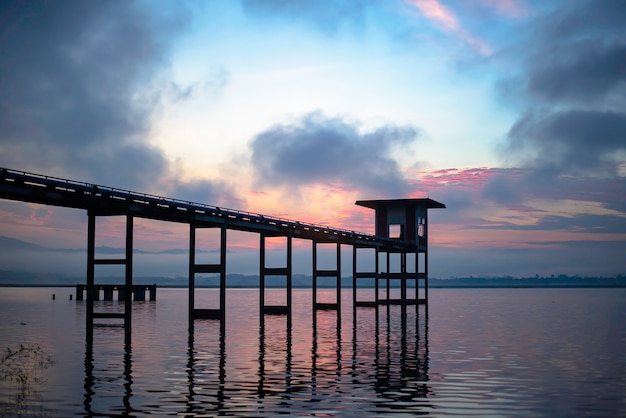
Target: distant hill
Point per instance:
(7, 243)
(20, 278)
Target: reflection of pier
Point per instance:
(395, 259)
(383, 361)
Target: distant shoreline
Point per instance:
(303, 281)
(452, 286)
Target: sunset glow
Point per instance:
(510, 112)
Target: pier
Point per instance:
(400, 240)
(137, 290)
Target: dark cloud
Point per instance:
(586, 223)
(317, 149)
(582, 72)
(577, 54)
(214, 193)
(74, 88)
(573, 87)
(573, 141)
(328, 16)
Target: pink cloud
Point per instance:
(443, 17)
(508, 8)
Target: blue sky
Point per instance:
(509, 112)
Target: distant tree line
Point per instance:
(11, 278)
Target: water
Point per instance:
(474, 352)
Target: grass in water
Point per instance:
(23, 369)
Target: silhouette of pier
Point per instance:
(401, 237)
(108, 290)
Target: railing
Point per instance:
(165, 203)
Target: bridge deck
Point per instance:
(102, 200)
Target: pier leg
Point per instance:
(223, 272)
(275, 271)
(426, 257)
(192, 274)
(376, 267)
(128, 303)
(289, 279)
(387, 284)
(262, 279)
(212, 268)
(354, 285)
(404, 277)
(314, 284)
(338, 265)
(91, 255)
(336, 273)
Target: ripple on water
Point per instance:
(491, 353)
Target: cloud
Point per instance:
(317, 149)
(572, 87)
(447, 20)
(572, 141)
(75, 88)
(508, 8)
(580, 72)
(210, 192)
(327, 16)
(525, 199)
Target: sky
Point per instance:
(510, 112)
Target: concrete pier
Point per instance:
(108, 291)
(398, 250)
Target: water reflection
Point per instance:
(401, 356)
(380, 367)
(94, 381)
(206, 387)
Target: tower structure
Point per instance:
(403, 220)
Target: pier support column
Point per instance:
(92, 261)
(265, 271)
(128, 303)
(317, 272)
(403, 277)
(216, 268)
(91, 256)
(356, 275)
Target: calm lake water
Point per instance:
(473, 352)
